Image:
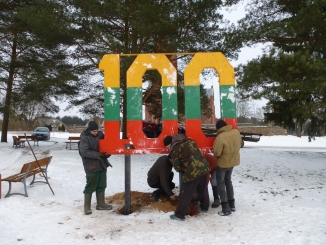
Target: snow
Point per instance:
(279, 190)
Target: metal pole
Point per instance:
(127, 185)
(127, 181)
(45, 177)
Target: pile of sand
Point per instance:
(141, 201)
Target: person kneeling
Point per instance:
(160, 176)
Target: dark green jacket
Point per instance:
(187, 158)
(160, 171)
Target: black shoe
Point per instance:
(231, 205)
(216, 203)
(173, 217)
(225, 209)
(154, 196)
(224, 213)
(202, 210)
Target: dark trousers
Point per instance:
(95, 182)
(157, 184)
(186, 193)
(224, 184)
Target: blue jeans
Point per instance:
(224, 184)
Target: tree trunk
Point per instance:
(6, 111)
(299, 128)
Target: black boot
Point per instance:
(232, 206)
(101, 205)
(87, 204)
(225, 209)
(155, 196)
(216, 202)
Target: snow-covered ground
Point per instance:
(279, 189)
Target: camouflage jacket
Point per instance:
(187, 158)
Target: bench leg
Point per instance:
(45, 174)
(9, 194)
(24, 182)
(33, 180)
(68, 145)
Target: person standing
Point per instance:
(95, 166)
(212, 165)
(227, 151)
(190, 162)
(160, 176)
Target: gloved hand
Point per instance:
(104, 155)
(109, 164)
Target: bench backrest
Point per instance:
(74, 138)
(34, 165)
(27, 136)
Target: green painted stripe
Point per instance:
(112, 104)
(192, 102)
(228, 101)
(134, 103)
(170, 103)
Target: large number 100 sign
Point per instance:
(110, 64)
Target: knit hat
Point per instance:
(167, 140)
(92, 125)
(220, 123)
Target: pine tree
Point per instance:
(33, 63)
(291, 74)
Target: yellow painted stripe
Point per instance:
(110, 64)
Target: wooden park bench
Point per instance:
(16, 142)
(29, 137)
(29, 170)
(72, 140)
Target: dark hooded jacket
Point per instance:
(88, 149)
(160, 171)
(187, 158)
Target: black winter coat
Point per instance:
(88, 149)
(160, 171)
